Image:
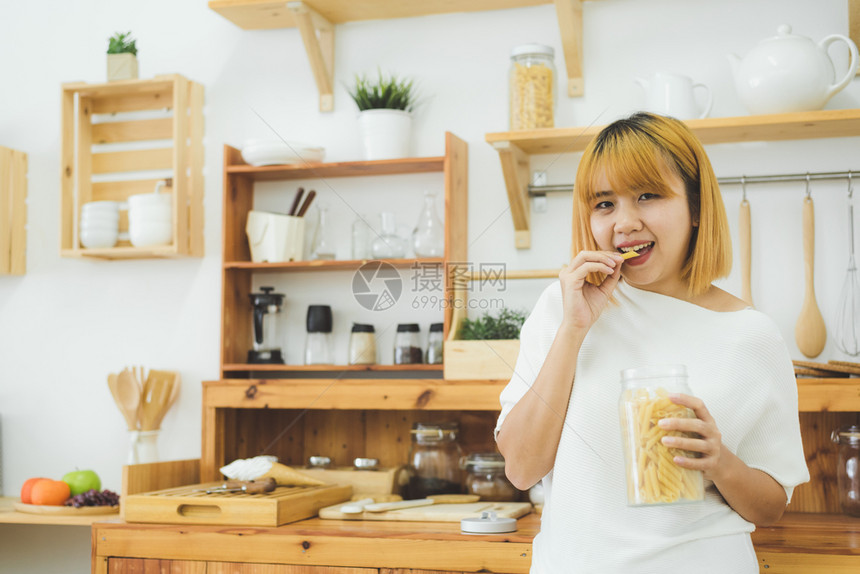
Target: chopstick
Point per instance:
(307, 203)
(296, 201)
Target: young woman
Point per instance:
(645, 184)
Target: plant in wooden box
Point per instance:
(384, 115)
(121, 57)
(484, 348)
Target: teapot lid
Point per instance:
(783, 32)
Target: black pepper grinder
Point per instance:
(318, 348)
(407, 345)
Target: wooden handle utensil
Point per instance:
(809, 332)
(296, 201)
(307, 203)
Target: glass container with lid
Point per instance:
(318, 346)
(362, 345)
(485, 476)
(848, 469)
(434, 458)
(407, 345)
(652, 475)
(532, 87)
(434, 344)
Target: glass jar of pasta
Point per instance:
(532, 87)
(652, 475)
(485, 476)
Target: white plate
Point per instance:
(276, 152)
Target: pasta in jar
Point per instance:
(652, 475)
(532, 86)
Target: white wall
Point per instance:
(68, 323)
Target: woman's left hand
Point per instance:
(709, 444)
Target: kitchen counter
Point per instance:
(800, 543)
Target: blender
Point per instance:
(266, 306)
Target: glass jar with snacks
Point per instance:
(532, 87)
(362, 345)
(652, 475)
(848, 468)
(485, 476)
(434, 344)
(407, 345)
(434, 458)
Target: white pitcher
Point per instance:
(672, 95)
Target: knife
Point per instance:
(246, 486)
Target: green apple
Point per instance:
(81, 481)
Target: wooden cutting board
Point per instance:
(435, 512)
(185, 506)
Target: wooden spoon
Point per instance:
(810, 332)
(746, 251)
(156, 395)
(128, 393)
(130, 417)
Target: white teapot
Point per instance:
(672, 95)
(790, 73)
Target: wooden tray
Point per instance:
(435, 512)
(185, 506)
(64, 510)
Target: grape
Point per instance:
(93, 498)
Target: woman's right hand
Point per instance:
(582, 301)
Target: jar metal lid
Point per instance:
(319, 461)
(848, 435)
(488, 523)
(654, 372)
(484, 461)
(407, 328)
(533, 49)
(362, 328)
(436, 327)
(366, 463)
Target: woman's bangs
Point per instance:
(631, 167)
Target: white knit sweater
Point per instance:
(738, 365)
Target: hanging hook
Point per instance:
(744, 187)
(808, 191)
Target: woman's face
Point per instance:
(658, 226)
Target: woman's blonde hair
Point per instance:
(634, 153)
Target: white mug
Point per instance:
(672, 95)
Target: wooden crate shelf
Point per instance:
(136, 146)
(340, 265)
(516, 148)
(339, 169)
(13, 212)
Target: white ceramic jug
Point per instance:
(790, 73)
(672, 95)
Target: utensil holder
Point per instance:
(273, 237)
(144, 447)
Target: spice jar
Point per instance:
(434, 458)
(434, 345)
(407, 345)
(652, 476)
(848, 469)
(362, 345)
(485, 476)
(532, 87)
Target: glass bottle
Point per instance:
(848, 468)
(434, 345)
(361, 234)
(389, 245)
(362, 345)
(644, 401)
(532, 87)
(428, 238)
(485, 476)
(434, 458)
(323, 246)
(318, 346)
(407, 345)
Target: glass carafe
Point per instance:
(428, 238)
(266, 308)
(848, 468)
(361, 234)
(434, 458)
(388, 245)
(323, 246)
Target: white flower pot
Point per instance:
(121, 67)
(385, 134)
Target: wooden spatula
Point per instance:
(128, 392)
(809, 332)
(128, 414)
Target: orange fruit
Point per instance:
(49, 492)
(28, 485)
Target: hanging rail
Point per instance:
(541, 190)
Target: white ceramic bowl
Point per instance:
(277, 152)
(150, 200)
(98, 238)
(100, 207)
(150, 212)
(150, 234)
(99, 222)
(99, 227)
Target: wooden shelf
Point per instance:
(327, 368)
(8, 515)
(515, 148)
(182, 157)
(316, 21)
(340, 265)
(353, 394)
(340, 169)
(13, 212)
(828, 395)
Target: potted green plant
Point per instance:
(121, 57)
(384, 115)
(484, 348)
